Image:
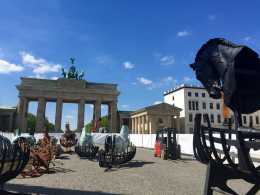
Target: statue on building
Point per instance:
(72, 73)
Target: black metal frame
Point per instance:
(221, 169)
(15, 156)
(88, 151)
(169, 144)
(108, 158)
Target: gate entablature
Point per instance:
(64, 90)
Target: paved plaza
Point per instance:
(144, 175)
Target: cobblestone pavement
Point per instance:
(144, 175)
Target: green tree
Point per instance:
(104, 123)
(31, 123)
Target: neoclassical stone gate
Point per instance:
(66, 91)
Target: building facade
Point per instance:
(194, 99)
(149, 119)
(7, 118)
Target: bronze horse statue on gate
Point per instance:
(234, 70)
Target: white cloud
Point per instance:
(164, 82)
(7, 67)
(39, 65)
(105, 60)
(187, 79)
(157, 102)
(54, 78)
(125, 106)
(248, 38)
(212, 17)
(144, 81)
(167, 60)
(183, 33)
(128, 65)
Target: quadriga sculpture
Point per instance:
(13, 159)
(234, 71)
(68, 139)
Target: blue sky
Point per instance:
(143, 46)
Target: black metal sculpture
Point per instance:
(222, 66)
(109, 157)
(13, 159)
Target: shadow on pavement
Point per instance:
(40, 190)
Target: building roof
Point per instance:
(183, 86)
(154, 106)
(7, 107)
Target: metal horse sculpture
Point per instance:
(13, 159)
(234, 70)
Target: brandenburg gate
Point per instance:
(64, 90)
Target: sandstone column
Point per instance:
(113, 116)
(81, 114)
(22, 112)
(97, 110)
(58, 115)
(133, 125)
(40, 115)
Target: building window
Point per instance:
(204, 119)
(203, 94)
(212, 118)
(204, 105)
(251, 121)
(160, 121)
(257, 120)
(219, 118)
(244, 119)
(189, 93)
(196, 94)
(189, 105)
(190, 117)
(191, 130)
(218, 106)
(197, 105)
(211, 105)
(172, 97)
(193, 105)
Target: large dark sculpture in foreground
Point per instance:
(13, 159)
(233, 70)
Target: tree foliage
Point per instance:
(31, 123)
(104, 123)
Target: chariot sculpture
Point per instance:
(72, 73)
(110, 148)
(233, 71)
(13, 159)
(68, 139)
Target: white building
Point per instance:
(194, 99)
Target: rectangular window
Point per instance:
(244, 119)
(250, 121)
(212, 118)
(189, 93)
(218, 106)
(257, 120)
(190, 117)
(219, 118)
(191, 130)
(196, 94)
(193, 105)
(204, 105)
(204, 119)
(189, 105)
(203, 94)
(211, 105)
(197, 105)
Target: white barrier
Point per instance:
(148, 141)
